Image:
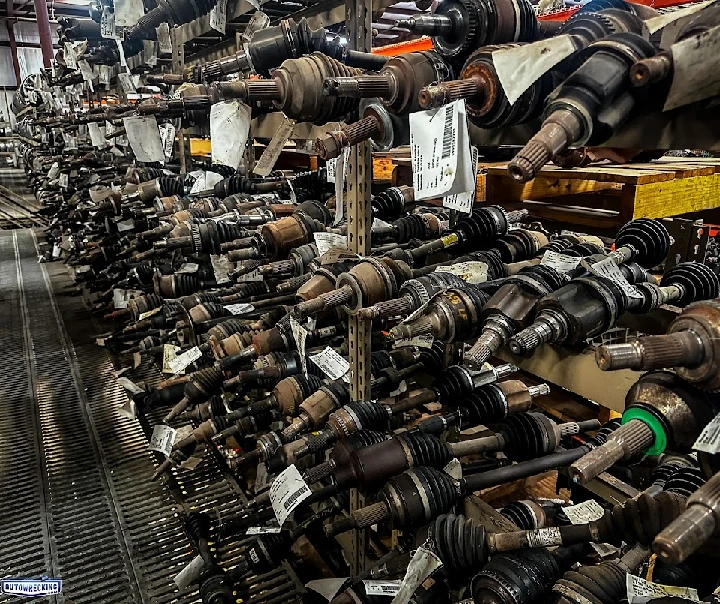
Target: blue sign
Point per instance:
(31, 588)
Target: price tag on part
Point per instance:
(640, 591)
(609, 269)
(287, 492)
(130, 386)
(64, 180)
(221, 267)
(259, 21)
(375, 587)
(144, 138)
(170, 353)
(167, 136)
(331, 167)
(107, 24)
(87, 73)
(188, 268)
(472, 271)
(421, 566)
(299, 335)
(559, 262)
(327, 588)
(252, 276)
(453, 468)
(424, 341)
(324, 241)
(709, 439)
(121, 297)
(229, 130)
(163, 36)
(218, 16)
(263, 530)
(162, 439)
(440, 151)
(463, 202)
(240, 309)
(331, 363)
(584, 512)
(128, 12)
(97, 139)
(127, 83)
(150, 313)
(267, 160)
(183, 360)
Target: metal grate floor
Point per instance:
(76, 502)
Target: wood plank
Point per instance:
(500, 187)
(676, 197)
(614, 174)
(598, 219)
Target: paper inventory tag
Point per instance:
(97, 139)
(421, 566)
(170, 353)
(325, 241)
(263, 530)
(584, 512)
(163, 36)
(440, 151)
(229, 130)
(327, 588)
(130, 386)
(423, 341)
(218, 16)
(188, 268)
(709, 439)
(87, 73)
(167, 136)
(640, 591)
(121, 297)
(520, 66)
(150, 313)
(287, 492)
(259, 21)
(267, 160)
(107, 24)
(375, 587)
(331, 363)
(144, 138)
(559, 262)
(180, 362)
(128, 12)
(162, 439)
(472, 271)
(300, 334)
(240, 309)
(463, 202)
(221, 267)
(609, 269)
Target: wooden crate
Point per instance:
(607, 196)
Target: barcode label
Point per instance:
(709, 439)
(448, 143)
(287, 491)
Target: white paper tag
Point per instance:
(205, 181)
(149, 313)
(544, 537)
(440, 151)
(240, 309)
(331, 363)
(170, 353)
(188, 268)
(253, 276)
(181, 361)
(661, 21)
(128, 410)
(144, 138)
(421, 566)
(54, 171)
(221, 267)
(263, 530)
(300, 334)
(463, 202)
(472, 271)
(64, 180)
(97, 139)
(267, 160)
(163, 36)
(130, 386)
(521, 66)
(128, 12)
(121, 297)
(218, 16)
(423, 341)
(327, 588)
(191, 573)
(70, 56)
(229, 129)
(287, 491)
(584, 512)
(87, 73)
(454, 468)
(640, 591)
(709, 439)
(340, 179)
(324, 241)
(376, 587)
(167, 136)
(259, 21)
(107, 24)
(126, 225)
(696, 69)
(127, 83)
(559, 262)
(609, 269)
(331, 167)
(162, 439)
